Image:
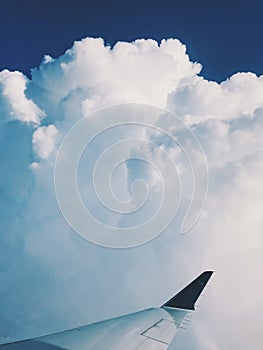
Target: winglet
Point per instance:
(187, 297)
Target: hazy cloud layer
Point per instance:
(52, 279)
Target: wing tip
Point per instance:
(188, 296)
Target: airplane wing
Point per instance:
(151, 329)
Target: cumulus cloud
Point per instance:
(44, 140)
(92, 75)
(63, 281)
(14, 103)
(239, 95)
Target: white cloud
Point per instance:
(201, 99)
(73, 275)
(44, 140)
(142, 71)
(14, 103)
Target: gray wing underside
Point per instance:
(152, 329)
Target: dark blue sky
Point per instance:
(225, 36)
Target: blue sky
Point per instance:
(52, 279)
(224, 36)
